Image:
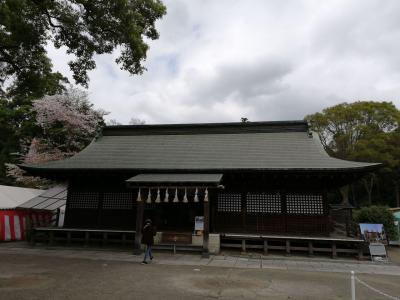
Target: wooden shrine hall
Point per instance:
(253, 179)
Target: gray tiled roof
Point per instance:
(232, 146)
(51, 199)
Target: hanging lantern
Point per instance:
(149, 197)
(196, 196)
(139, 197)
(206, 196)
(158, 199)
(176, 196)
(166, 199)
(185, 199)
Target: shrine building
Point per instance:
(249, 179)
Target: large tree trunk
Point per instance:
(344, 191)
(353, 194)
(397, 192)
(369, 184)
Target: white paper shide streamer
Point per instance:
(139, 197)
(166, 199)
(176, 199)
(185, 198)
(149, 197)
(158, 199)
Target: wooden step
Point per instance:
(178, 247)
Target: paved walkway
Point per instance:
(294, 263)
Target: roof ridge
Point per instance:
(208, 128)
(248, 123)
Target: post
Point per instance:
(206, 230)
(353, 286)
(310, 248)
(68, 238)
(287, 247)
(57, 217)
(360, 251)
(139, 223)
(51, 238)
(265, 247)
(334, 250)
(105, 238)
(243, 246)
(32, 236)
(87, 238)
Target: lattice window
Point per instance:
(84, 200)
(151, 205)
(229, 202)
(118, 200)
(304, 204)
(263, 203)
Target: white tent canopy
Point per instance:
(12, 196)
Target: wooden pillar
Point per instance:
(360, 251)
(243, 210)
(105, 238)
(69, 238)
(206, 228)
(265, 247)
(87, 238)
(334, 252)
(287, 247)
(213, 214)
(32, 236)
(139, 223)
(100, 210)
(310, 248)
(51, 238)
(327, 215)
(344, 191)
(57, 217)
(284, 210)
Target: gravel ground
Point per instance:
(26, 276)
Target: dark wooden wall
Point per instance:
(251, 203)
(100, 203)
(274, 212)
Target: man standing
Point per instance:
(148, 234)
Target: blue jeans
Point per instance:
(148, 253)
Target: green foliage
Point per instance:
(364, 131)
(84, 27)
(378, 215)
(66, 124)
(17, 125)
(343, 126)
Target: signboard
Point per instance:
(199, 225)
(373, 233)
(176, 238)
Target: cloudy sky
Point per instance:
(218, 61)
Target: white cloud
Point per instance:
(218, 61)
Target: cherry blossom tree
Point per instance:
(68, 123)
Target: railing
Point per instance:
(355, 279)
(290, 244)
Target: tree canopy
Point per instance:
(364, 131)
(84, 27)
(343, 126)
(67, 122)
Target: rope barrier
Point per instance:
(374, 289)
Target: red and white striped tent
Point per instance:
(13, 220)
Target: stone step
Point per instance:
(178, 247)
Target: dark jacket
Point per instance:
(148, 234)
